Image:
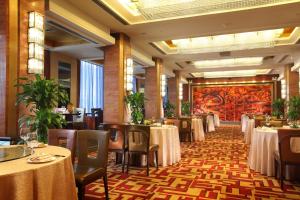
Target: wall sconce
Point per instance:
(35, 43)
(283, 89)
(180, 91)
(128, 78)
(163, 84)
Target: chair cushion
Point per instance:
(86, 174)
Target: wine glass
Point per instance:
(24, 134)
(281, 117)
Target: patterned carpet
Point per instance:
(214, 169)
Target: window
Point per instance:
(91, 86)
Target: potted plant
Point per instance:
(294, 110)
(185, 108)
(136, 102)
(169, 109)
(41, 96)
(278, 108)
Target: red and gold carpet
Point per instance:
(214, 169)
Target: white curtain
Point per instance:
(91, 86)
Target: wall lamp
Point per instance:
(35, 43)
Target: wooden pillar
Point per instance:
(153, 106)
(114, 92)
(292, 82)
(13, 57)
(173, 92)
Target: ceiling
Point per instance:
(144, 33)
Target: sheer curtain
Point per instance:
(91, 86)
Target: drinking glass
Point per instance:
(24, 134)
(281, 116)
(32, 140)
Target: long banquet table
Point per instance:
(263, 145)
(197, 126)
(20, 180)
(167, 137)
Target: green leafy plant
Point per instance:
(41, 96)
(294, 110)
(278, 107)
(136, 102)
(169, 109)
(185, 108)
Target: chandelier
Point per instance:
(160, 9)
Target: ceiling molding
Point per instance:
(111, 12)
(157, 48)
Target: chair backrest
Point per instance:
(138, 138)
(285, 137)
(64, 138)
(185, 125)
(79, 118)
(174, 122)
(86, 139)
(96, 112)
(117, 136)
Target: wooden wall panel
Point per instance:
(3, 61)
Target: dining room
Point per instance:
(123, 99)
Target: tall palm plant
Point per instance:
(41, 96)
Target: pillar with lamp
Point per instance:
(35, 43)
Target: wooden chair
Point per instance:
(285, 156)
(185, 129)
(174, 122)
(117, 142)
(88, 169)
(139, 143)
(63, 138)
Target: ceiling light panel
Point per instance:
(162, 9)
(232, 62)
(237, 73)
(228, 42)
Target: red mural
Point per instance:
(230, 102)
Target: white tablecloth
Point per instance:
(167, 137)
(249, 131)
(216, 120)
(244, 120)
(197, 126)
(210, 123)
(20, 180)
(263, 145)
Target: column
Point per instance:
(153, 106)
(292, 80)
(114, 91)
(173, 92)
(13, 57)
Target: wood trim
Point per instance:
(47, 64)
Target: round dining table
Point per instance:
(20, 180)
(263, 145)
(210, 123)
(197, 126)
(167, 137)
(244, 121)
(249, 130)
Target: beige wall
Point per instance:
(55, 58)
